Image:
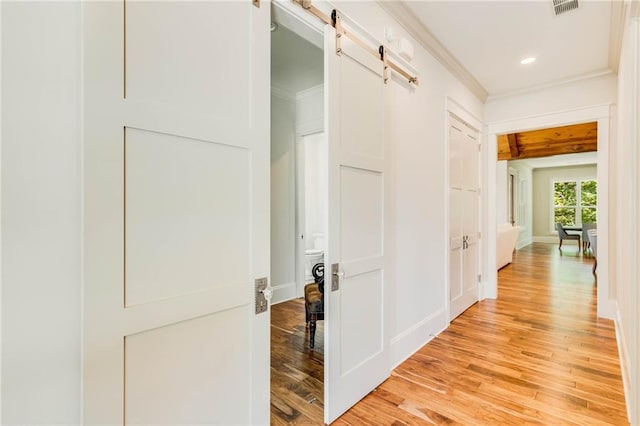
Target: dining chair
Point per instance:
(564, 235)
(314, 301)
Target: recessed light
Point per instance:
(527, 61)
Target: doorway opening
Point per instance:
(541, 185)
(600, 114)
(298, 221)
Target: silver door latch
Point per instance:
(335, 277)
(263, 294)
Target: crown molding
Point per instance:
(634, 8)
(282, 93)
(530, 89)
(310, 91)
(405, 17)
(616, 32)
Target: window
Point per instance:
(574, 202)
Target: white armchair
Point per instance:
(506, 244)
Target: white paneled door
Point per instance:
(176, 212)
(357, 342)
(463, 216)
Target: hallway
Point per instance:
(297, 372)
(538, 354)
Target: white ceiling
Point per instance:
(489, 38)
(296, 64)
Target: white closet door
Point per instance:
(358, 339)
(463, 217)
(176, 180)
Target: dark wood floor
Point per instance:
(297, 372)
(536, 355)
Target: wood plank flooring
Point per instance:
(297, 372)
(536, 355)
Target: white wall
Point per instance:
(418, 137)
(292, 115)
(524, 215)
(315, 189)
(310, 111)
(283, 208)
(626, 161)
(310, 133)
(542, 195)
(523, 192)
(41, 205)
(577, 94)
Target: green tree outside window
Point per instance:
(575, 202)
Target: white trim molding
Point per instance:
(623, 354)
(547, 239)
(523, 243)
(603, 73)
(413, 338)
(282, 93)
(283, 292)
(616, 31)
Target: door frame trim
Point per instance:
(602, 114)
(310, 28)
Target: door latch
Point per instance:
(263, 294)
(336, 275)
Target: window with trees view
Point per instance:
(574, 202)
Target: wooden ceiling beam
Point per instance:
(573, 132)
(563, 150)
(546, 142)
(554, 144)
(512, 138)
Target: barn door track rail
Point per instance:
(356, 33)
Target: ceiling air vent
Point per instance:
(562, 6)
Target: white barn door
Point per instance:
(356, 286)
(463, 216)
(176, 213)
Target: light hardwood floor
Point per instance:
(536, 355)
(297, 372)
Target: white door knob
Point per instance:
(267, 292)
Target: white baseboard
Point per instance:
(544, 239)
(486, 291)
(409, 341)
(623, 354)
(523, 243)
(283, 292)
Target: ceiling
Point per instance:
(482, 43)
(490, 38)
(296, 64)
(547, 142)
